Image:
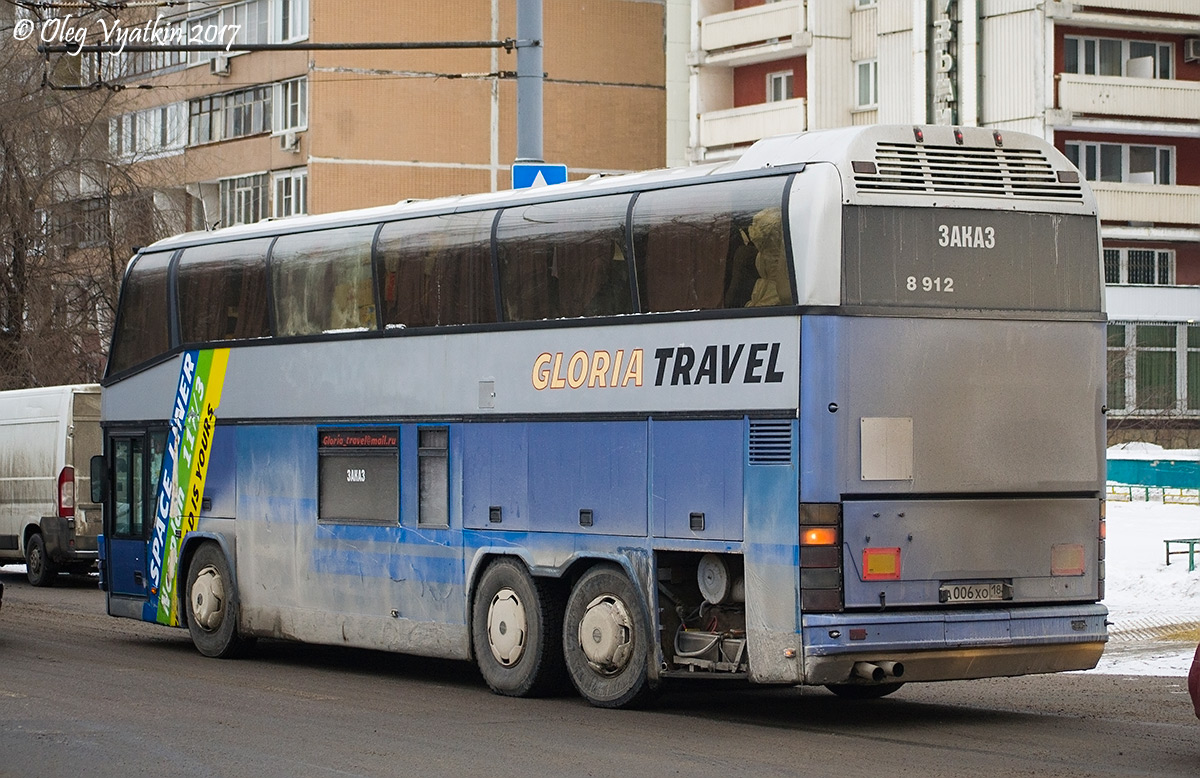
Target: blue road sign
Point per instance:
(527, 174)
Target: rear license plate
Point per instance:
(978, 591)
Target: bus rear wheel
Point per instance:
(212, 604)
(515, 622)
(605, 639)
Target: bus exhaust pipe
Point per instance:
(892, 669)
(869, 671)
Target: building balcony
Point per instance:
(1150, 98)
(1148, 203)
(1152, 303)
(742, 126)
(1180, 7)
(760, 33)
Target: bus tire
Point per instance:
(212, 604)
(606, 639)
(39, 567)
(515, 622)
(856, 691)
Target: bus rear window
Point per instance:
(717, 245)
(437, 270)
(322, 281)
(222, 292)
(142, 330)
(970, 259)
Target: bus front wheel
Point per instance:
(515, 621)
(212, 604)
(605, 636)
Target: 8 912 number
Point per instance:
(928, 284)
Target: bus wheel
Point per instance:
(212, 604)
(515, 621)
(605, 639)
(39, 568)
(854, 691)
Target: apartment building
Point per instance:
(1114, 84)
(233, 137)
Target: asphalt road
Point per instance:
(83, 694)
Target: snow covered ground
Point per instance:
(1154, 607)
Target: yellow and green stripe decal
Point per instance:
(191, 470)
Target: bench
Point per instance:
(1191, 544)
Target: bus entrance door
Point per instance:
(137, 461)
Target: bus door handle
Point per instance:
(138, 578)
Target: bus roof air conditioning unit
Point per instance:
(219, 65)
(290, 141)
(1191, 50)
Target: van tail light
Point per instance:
(820, 557)
(66, 493)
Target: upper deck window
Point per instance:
(437, 270)
(322, 281)
(222, 291)
(711, 246)
(142, 332)
(564, 259)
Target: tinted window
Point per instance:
(564, 259)
(437, 270)
(142, 332)
(322, 281)
(712, 246)
(222, 292)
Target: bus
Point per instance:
(829, 413)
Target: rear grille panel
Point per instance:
(910, 168)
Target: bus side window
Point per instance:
(322, 281)
(564, 259)
(141, 331)
(222, 292)
(709, 246)
(437, 270)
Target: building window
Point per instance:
(1116, 57)
(291, 105)
(1154, 368)
(249, 19)
(247, 112)
(1139, 266)
(779, 86)
(291, 192)
(291, 20)
(1123, 162)
(866, 3)
(243, 199)
(204, 120)
(866, 82)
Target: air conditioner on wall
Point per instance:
(289, 141)
(1191, 50)
(219, 65)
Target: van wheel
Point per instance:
(212, 604)
(39, 568)
(515, 624)
(606, 639)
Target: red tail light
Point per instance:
(66, 493)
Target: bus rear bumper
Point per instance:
(955, 645)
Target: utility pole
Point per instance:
(529, 81)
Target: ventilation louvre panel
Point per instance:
(770, 442)
(910, 168)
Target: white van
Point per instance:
(47, 437)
